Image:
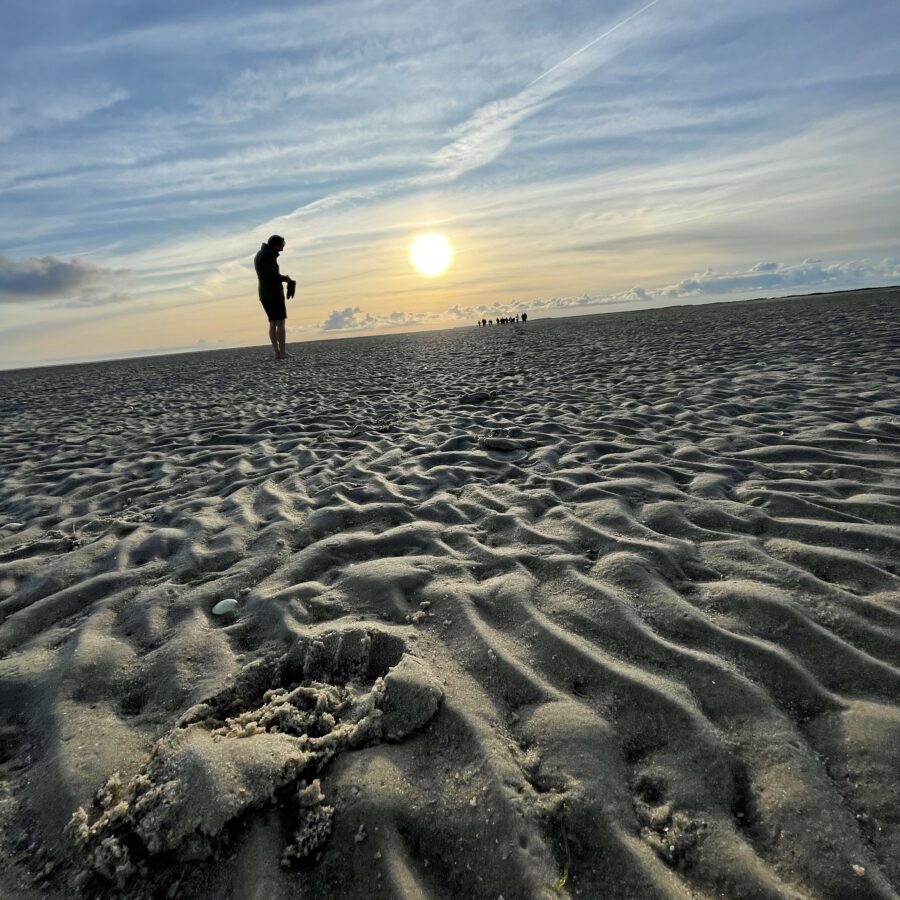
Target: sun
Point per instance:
(431, 254)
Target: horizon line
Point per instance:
(149, 354)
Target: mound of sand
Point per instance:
(238, 750)
(605, 606)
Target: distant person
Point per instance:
(271, 293)
(524, 317)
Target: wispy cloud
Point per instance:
(487, 132)
(605, 34)
(26, 109)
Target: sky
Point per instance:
(579, 156)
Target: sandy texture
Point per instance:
(602, 607)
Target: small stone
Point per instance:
(225, 606)
(425, 604)
(360, 835)
(858, 870)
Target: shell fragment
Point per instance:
(225, 606)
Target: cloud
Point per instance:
(98, 298)
(591, 43)
(811, 273)
(488, 132)
(32, 108)
(353, 318)
(768, 277)
(71, 282)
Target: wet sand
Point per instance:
(595, 607)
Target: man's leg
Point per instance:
(279, 349)
(273, 337)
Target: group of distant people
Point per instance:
(503, 320)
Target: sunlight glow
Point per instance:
(431, 254)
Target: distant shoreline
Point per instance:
(137, 355)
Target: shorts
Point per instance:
(275, 309)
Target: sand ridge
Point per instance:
(650, 562)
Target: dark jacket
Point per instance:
(266, 264)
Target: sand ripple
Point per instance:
(651, 561)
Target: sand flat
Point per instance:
(596, 607)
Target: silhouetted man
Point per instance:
(271, 293)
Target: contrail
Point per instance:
(588, 46)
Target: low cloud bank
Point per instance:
(762, 278)
(766, 276)
(71, 282)
(353, 318)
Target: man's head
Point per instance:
(276, 242)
